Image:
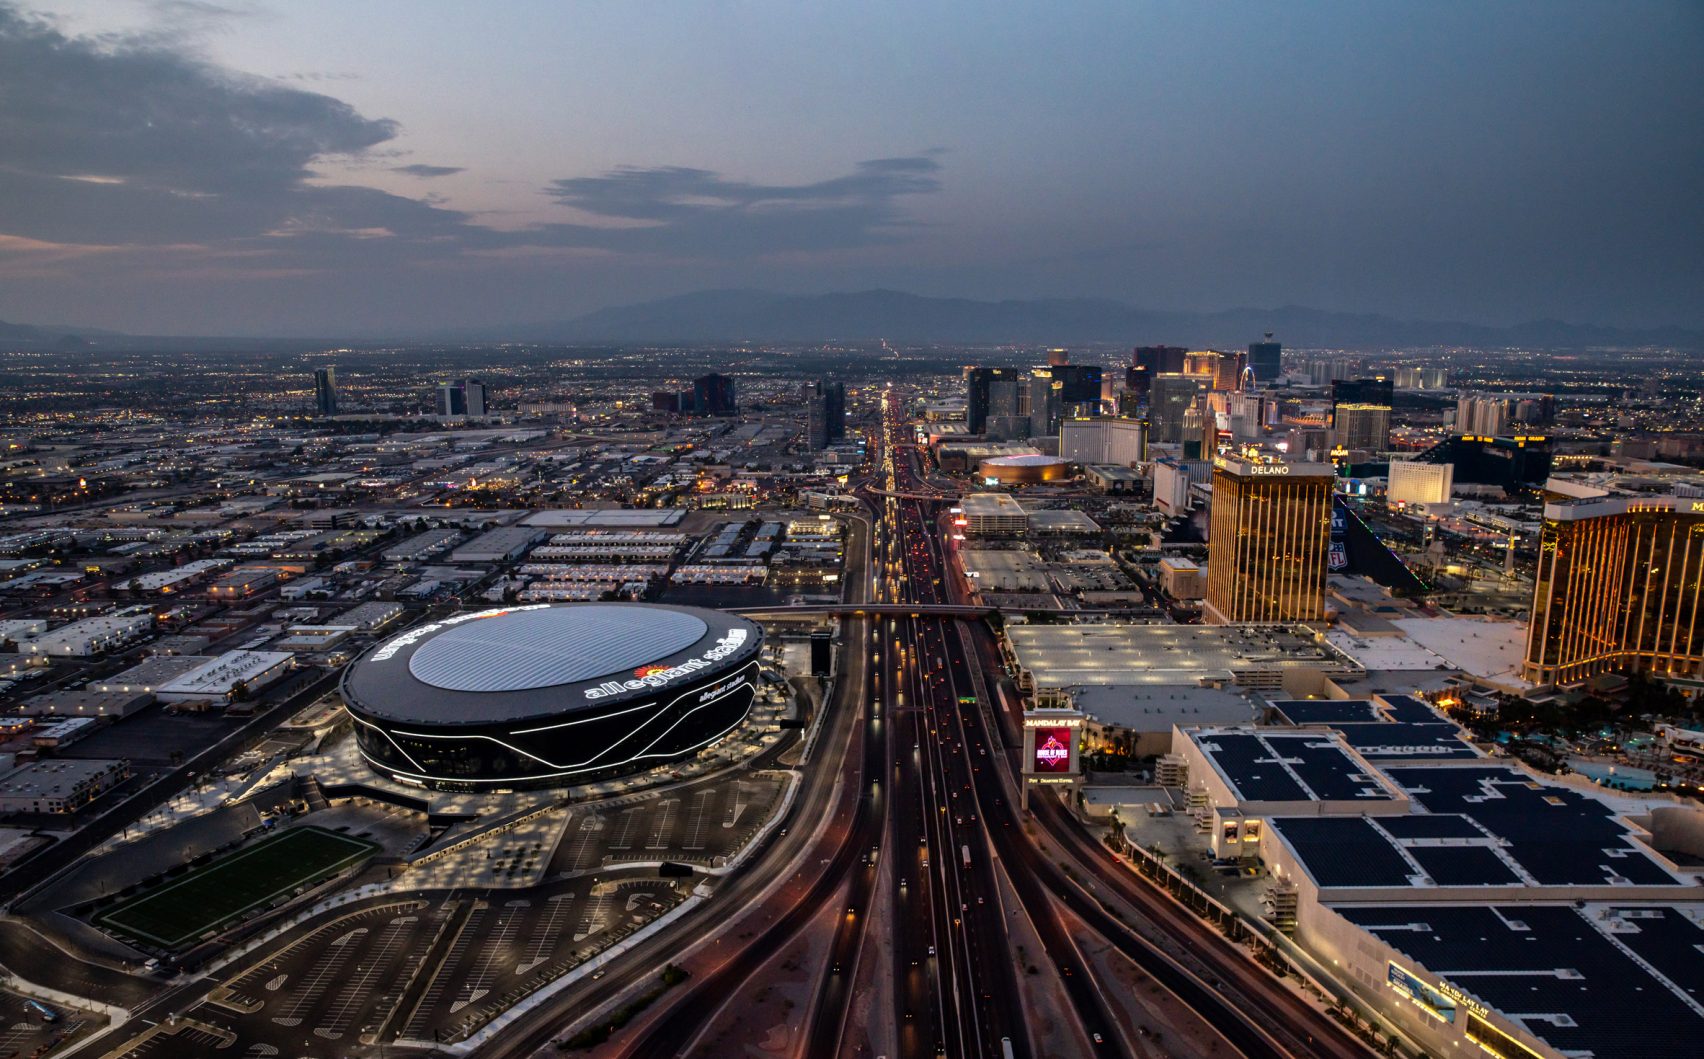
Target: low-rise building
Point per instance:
(86, 702)
(91, 636)
(501, 545)
(370, 616)
(228, 677)
(59, 786)
(1182, 579)
(993, 515)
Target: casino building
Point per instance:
(1618, 582)
(550, 695)
(1267, 541)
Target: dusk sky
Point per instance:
(348, 167)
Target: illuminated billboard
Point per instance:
(1428, 999)
(1053, 750)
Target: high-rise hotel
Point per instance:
(1618, 580)
(1268, 536)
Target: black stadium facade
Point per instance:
(550, 695)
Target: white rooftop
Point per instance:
(1488, 648)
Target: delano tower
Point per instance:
(1268, 537)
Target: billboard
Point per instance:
(1052, 750)
(1429, 1000)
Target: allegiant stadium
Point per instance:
(550, 694)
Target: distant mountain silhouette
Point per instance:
(712, 316)
(733, 315)
(65, 338)
(28, 336)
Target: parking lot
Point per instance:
(342, 980)
(507, 947)
(439, 964)
(25, 1031)
(695, 824)
(435, 968)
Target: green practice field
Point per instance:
(178, 910)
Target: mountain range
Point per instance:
(869, 316)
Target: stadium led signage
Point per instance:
(654, 676)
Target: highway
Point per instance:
(753, 896)
(926, 787)
(853, 823)
(1255, 1013)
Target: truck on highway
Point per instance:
(964, 851)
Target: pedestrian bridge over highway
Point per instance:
(859, 610)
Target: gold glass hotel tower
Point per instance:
(1268, 537)
(1617, 588)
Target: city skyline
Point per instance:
(923, 530)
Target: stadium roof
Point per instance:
(547, 648)
(543, 661)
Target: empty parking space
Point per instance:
(701, 824)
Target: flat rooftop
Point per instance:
(1386, 729)
(629, 517)
(1481, 829)
(1267, 766)
(1060, 656)
(1488, 648)
(1555, 835)
(991, 504)
(1158, 708)
(153, 672)
(1601, 980)
(1062, 520)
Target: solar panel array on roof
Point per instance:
(1464, 866)
(1666, 938)
(1289, 767)
(1325, 711)
(1558, 835)
(1252, 769)
(1393, 728)
(1430, 826)
(1406, 709)
(1344, 851)
(1555, 970)
(1404, 741)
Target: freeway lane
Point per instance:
(741, 899)
(979, 977)
(1252, 1009)
(979, 809)
(854, 825)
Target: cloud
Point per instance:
(696, 211)
(427, 172)
(135, 142)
